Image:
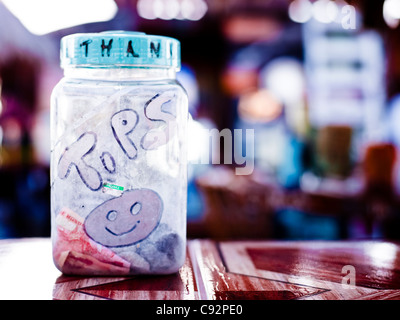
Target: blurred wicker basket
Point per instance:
(236, 206)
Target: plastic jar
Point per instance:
(118, 156)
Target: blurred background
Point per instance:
(318, 82)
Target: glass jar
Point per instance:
(118, 156)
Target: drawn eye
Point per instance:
(111, 215)
(136, 207)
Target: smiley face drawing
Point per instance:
(125, 220)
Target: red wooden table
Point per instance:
(229, 270)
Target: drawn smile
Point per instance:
(122, 233)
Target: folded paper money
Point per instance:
(75, 252)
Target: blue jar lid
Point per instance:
(119, 48)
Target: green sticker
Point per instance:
(113, 186)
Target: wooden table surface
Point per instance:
(228, 270)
